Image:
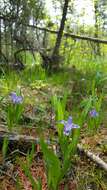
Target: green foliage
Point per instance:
(30, 155)
(93, 101)
(9, 82)
(36, 184)
(5, 147)
(57, 168)
(14, 112)
(59, 106)
(69, 150)
(53, 166)
(67, 147)
(33, 73)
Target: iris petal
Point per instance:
(69, 120)
(16, 99)
(62, 122)
(68, 126)
(93, 113)
(74, 126)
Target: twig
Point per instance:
(17, 151)
(5, 173)
(14, 152)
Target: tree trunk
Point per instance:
(0, 39)
(55, 58)
(61, 29)
(96, 34)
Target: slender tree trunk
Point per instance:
(0, 39)
(51, 63)
(61, 29)
(96, 34)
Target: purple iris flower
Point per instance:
(16, 99)
(68, 126)
(93, 113)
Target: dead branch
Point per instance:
(25, 49)
(93, 157)
(71, 35)
(18, 63)
(8, 175)
(74, 36)
(15, 141)
(23, 143)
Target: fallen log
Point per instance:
(17, 141)
(24, 143)
(71, 35)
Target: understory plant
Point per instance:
(93, 121)
(59, 107)
(59, 162)
(91, 109)
(5, 147)
(34, 73)
(14, 109)
(36, 183)
(9, 82)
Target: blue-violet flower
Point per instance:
(68, 126)
(15, 98)
(93, 113)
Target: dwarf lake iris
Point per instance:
(68, 126)
(93, 113)
(15, 98)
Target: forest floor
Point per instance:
(39, 116)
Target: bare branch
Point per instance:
(71, 35)
(93, 157)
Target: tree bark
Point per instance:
(0, 42)
(96, 33)
(61, 29)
